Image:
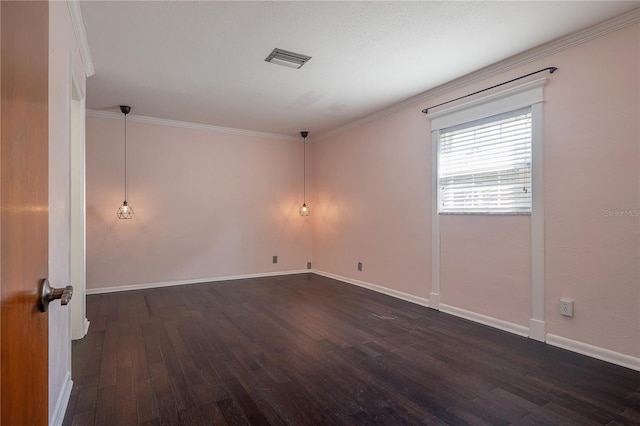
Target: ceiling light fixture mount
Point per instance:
(125, 211)
(304, 210)
(287, 59)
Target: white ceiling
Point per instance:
(203, 62)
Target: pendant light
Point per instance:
(125, 211)
(304, 210)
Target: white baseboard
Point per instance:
(594, 351)
(63, 400)
(377, 288)
(193, 281)
(86, 327)
(482, 319)
(537, 330)
(520, 330)
(434, 300)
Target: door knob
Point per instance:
(48, 294)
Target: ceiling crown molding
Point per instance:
(505, 65)
(81, 36)
(188, 125)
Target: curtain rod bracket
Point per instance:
(550, 69)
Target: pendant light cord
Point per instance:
(125, 158)
(304, 170)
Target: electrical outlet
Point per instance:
(360, 266)
(566, 307)
(275, 259)
(308, 265)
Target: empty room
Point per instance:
(320, 213)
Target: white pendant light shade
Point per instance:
(304, 210)
(125, 211)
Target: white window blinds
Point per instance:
(484, 166)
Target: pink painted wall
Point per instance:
(592, 165)
(373, 197)
(207, 204)
(373, 189)
(64, 58)
(485, 265)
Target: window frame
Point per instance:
(526, 95)
(493, 174)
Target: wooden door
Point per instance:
(24, 70)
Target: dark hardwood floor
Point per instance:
(308, 350)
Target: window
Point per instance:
(484, 166)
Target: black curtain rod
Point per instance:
(550, 69)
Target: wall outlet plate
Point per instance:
(360, 266)
(308, 265)
(275, 259)
(566, 307)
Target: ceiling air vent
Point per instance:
(286, 58)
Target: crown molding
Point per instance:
(81, 36)
(188, 125)
(500, 67)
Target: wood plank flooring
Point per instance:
(308, 350)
